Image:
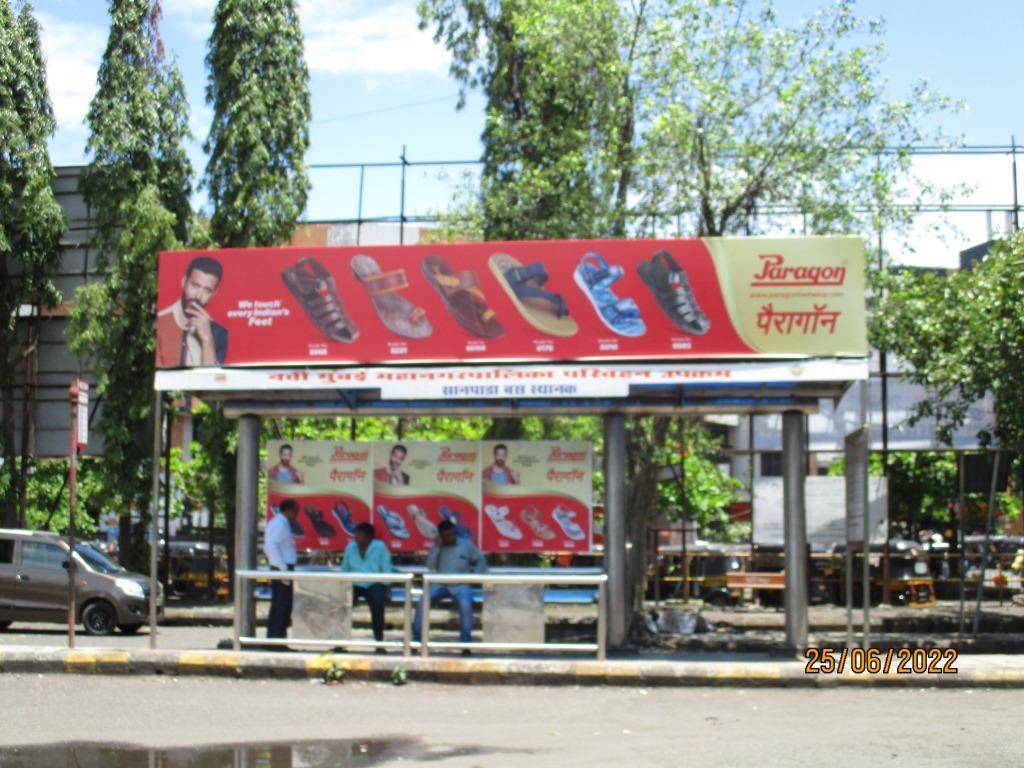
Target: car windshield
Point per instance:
(96, 559)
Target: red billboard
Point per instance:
(514, 301)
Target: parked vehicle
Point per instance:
(910, 577)
(190, 568)
(34, 585)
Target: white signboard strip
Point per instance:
(507, 381)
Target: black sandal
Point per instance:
(671, 287)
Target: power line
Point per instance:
(382, 110)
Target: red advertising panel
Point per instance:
(537, 496)
(515, 301)
(417, 485)
(330, 483)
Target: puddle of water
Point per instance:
(348, 753)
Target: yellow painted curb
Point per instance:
(999, 676)
(747, 673)
(76, 661)
(211, 660)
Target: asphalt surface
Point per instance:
(357, 723)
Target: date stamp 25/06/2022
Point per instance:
(873, 661)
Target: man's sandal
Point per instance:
(317, 293)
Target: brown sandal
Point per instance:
(531, 516)
(462, 296)
(316, 291)
(394, 310)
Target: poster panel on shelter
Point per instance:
(331, 483)
(537, 496)
(524, 301)
(416, 485)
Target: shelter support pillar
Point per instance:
(794, 467)
(615, 528)
(246, 515)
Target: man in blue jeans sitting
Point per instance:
(451, 554)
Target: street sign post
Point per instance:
(79, 392)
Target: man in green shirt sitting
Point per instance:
(366, 554)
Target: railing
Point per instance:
(405, 643)
(598, 580)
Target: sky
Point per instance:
(378, 83)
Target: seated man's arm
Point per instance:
(476, 560)
(432, 556)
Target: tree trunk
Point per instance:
(28, 421)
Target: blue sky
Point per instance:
(378, 83)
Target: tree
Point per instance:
(259, 91)
(31, 224)
(707, 114)
(962, 336)
(138, 186)
(559, 114)
(744, 116)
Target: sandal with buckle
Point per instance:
(394, 310)
(595, 279)
(463, 298)
(671, 287)
(544, 310)
(314, 288)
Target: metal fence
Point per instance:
(424, 644)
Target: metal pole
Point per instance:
(615, 527)
(407, 620)
(425, 617)
(238, 613)
(359, 209)
(795, 525)
(883, 369)
(168, 423)
(866, 530)
(154, 535)
(401, 207)
(988, 533)
(602, 621)
(960, 537)
(1013, 165)
(72, 505)
(246, 499)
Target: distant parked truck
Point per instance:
(34, 585)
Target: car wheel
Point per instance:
(129, 629)
(99, 618)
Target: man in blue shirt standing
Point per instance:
(366, 554)
(450, 554)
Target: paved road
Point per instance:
(379, 724)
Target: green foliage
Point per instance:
(259, 91)
(922, 486)
(399, 676)
(743, 114)
(138, 121)
(46, 494)
(962, 335)
(334, 673)
(138, 186)
(557, 96)
(709, 492)
(104, 328)
(31, 221)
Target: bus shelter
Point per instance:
(616, 328)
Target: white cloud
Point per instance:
(72, 51)
(355, 37)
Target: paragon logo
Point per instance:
(340, 454)
(557, 454)
(775, 272)
(456, 457)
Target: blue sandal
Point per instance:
(595, 278)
